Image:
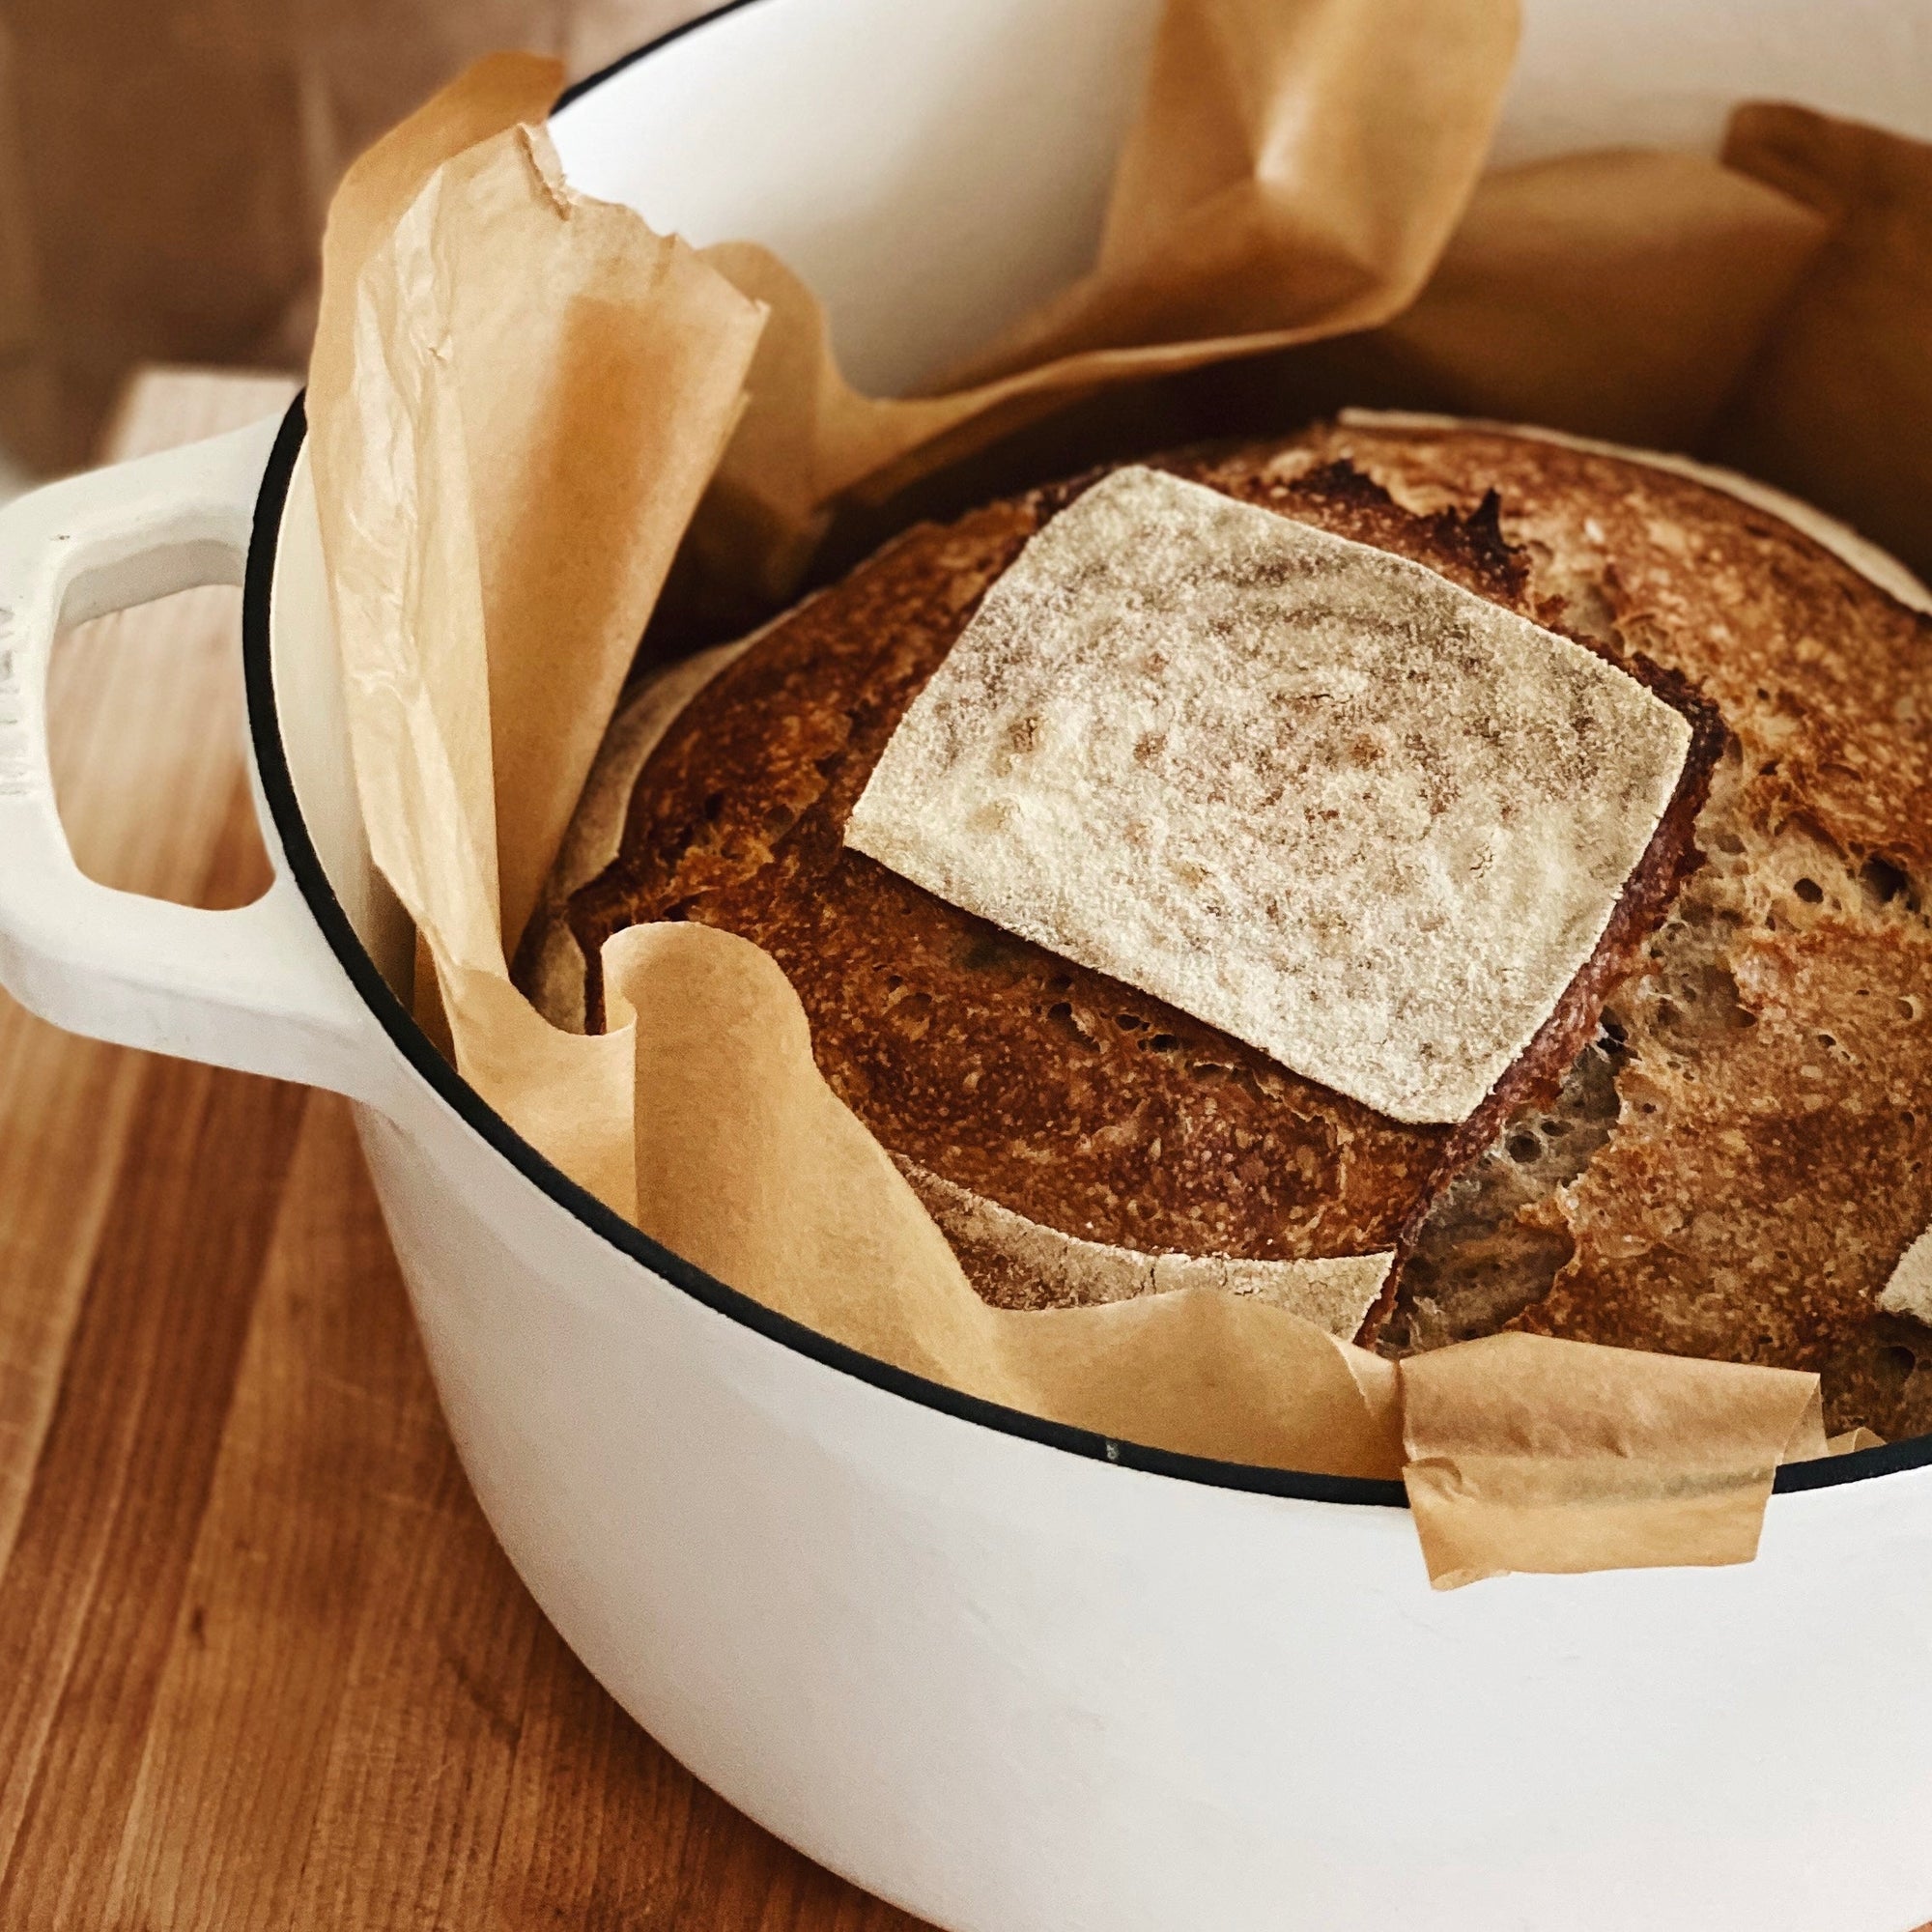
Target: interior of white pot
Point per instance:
(314, 732)
(935, 170)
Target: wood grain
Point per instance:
(261, 1662)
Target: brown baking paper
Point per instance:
(1295, 172)
(518, 399)
(1771, 312)
(1520, 1452)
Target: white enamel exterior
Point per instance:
(1007, 1687)
(253, 988)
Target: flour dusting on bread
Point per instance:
(1308, 791)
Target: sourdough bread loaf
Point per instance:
(1718, 1144)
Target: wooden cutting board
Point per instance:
(261, 1663)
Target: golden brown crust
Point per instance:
(1080, 1102)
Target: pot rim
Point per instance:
(396, 1021)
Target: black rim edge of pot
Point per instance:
(415, 1046)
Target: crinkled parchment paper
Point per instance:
(521, 400)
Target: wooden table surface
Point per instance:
(261, 1664)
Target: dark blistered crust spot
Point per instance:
(1468, 548)
(1080, 1102)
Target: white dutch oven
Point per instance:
(1008, 1675)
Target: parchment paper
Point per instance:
(517, 401)
(1520, 1456)
(1295, 172)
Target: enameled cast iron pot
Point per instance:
(1010, 1675)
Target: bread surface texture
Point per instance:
(1738, 1166)
(1717, 1145)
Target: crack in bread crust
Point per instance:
(1069, 1097)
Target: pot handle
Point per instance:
(255, 988)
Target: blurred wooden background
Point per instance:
(261, 1663)
(165, 166)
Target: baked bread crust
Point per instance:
(1082, 1103)
(1666, 1182)
(1079, 1102)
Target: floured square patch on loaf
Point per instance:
(1312, 793)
